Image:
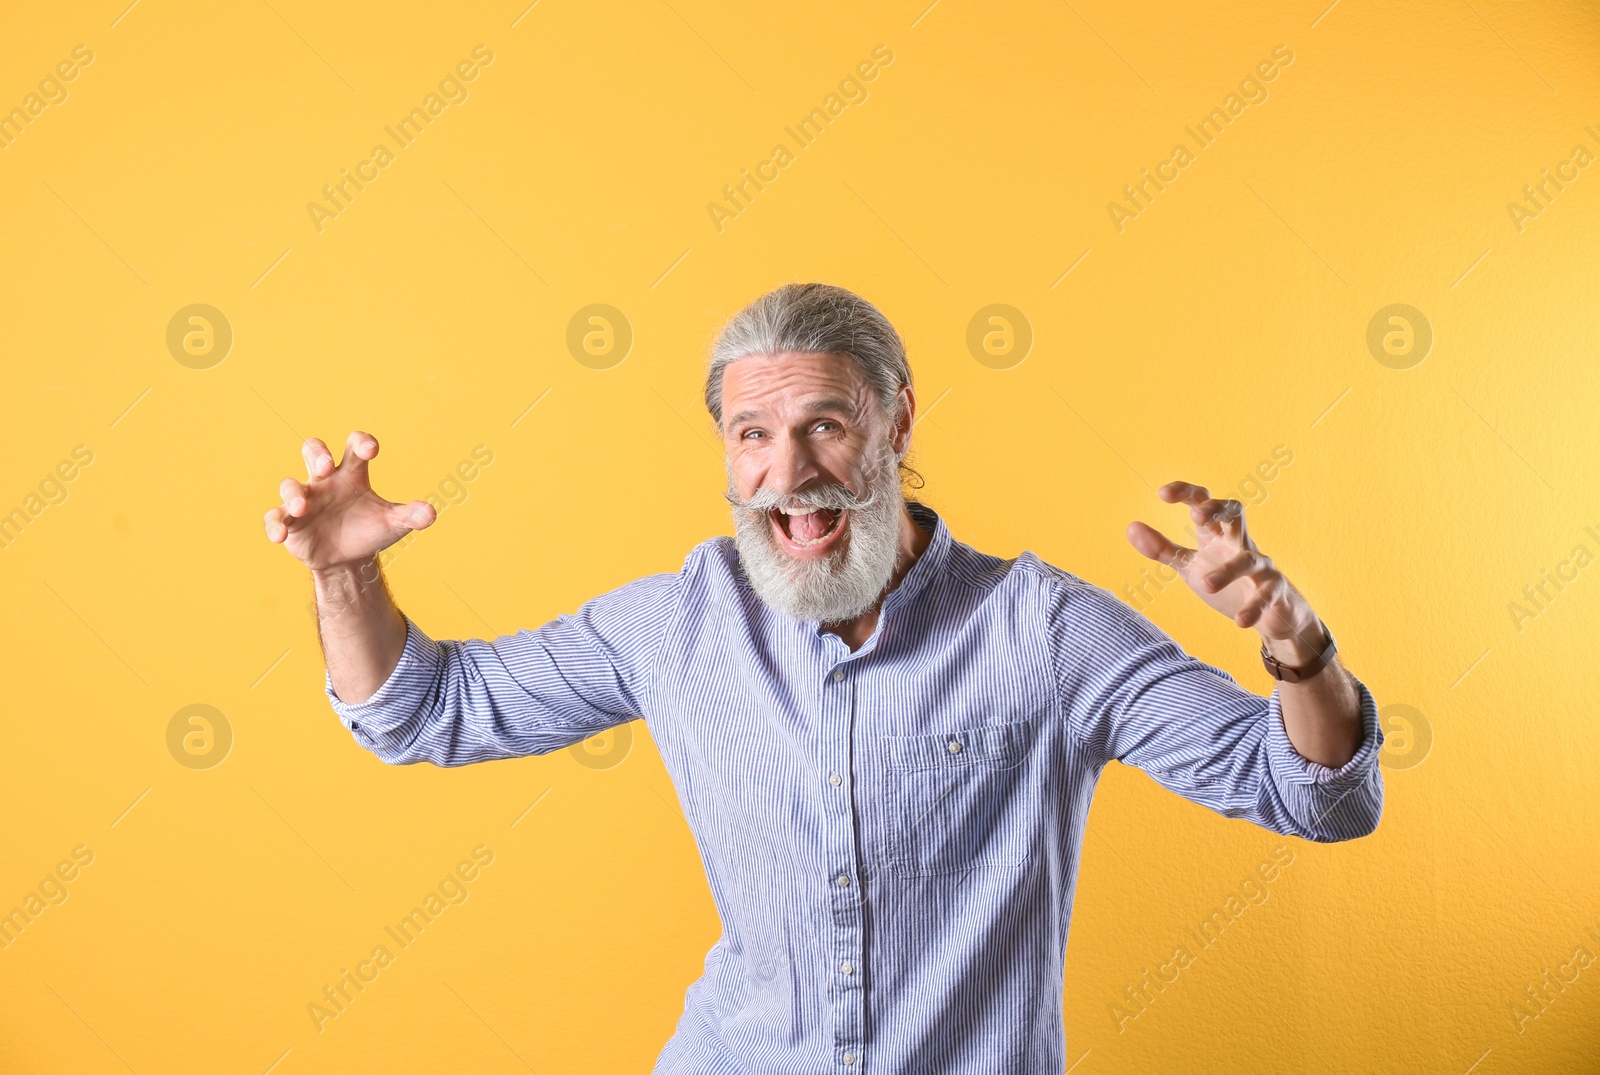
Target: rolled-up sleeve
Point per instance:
(1344, 803)
(454, 702)
(1129, 693)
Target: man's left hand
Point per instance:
(1233, 576)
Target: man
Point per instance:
(885, 741)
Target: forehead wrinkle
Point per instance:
(846, 393)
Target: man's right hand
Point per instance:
(335, 520)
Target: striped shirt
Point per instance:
(891, 835)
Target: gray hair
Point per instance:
(819, 318)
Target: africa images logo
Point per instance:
(852, 90)
(338, 195)
(1141, 194)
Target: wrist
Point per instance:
(1291, 651)
(349, 588)
(365, 571)
(1301, 655)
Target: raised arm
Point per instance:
(410, 698)
(1303, 761)
(1129, 693)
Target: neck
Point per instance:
(912, 542)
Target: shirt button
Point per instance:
(953, 747)
(835, 779)
(848, 1058)
(844, 880)
(847, 968)
(838, 674)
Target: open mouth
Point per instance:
(808, 528)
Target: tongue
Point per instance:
(810, 527)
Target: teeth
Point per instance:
(799, 511)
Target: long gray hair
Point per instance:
(819, 318)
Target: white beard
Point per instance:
(848, 581)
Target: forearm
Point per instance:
(361, 629)
(1322, 714)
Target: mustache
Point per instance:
(836, 497)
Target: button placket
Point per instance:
(847, 996)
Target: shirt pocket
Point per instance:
(953, 799)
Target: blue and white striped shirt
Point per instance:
(891, 835)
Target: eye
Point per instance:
(749, 432)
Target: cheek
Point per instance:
(746, 468)
(854, 458)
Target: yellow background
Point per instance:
(1228, 319)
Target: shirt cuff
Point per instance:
(1291, 767)
(400, 695)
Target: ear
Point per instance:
(908, 415)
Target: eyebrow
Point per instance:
(817, 406)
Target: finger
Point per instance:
(359, 448)
(295, 496)
(1183, 493)
(417, 515)
(1157, 546)
(1237, 567)
(1252, 610)
(319, 461)
(1219, 516)
(273, 520)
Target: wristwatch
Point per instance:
(1289, 674)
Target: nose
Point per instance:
(793, 465)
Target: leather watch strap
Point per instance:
(1290, 674)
